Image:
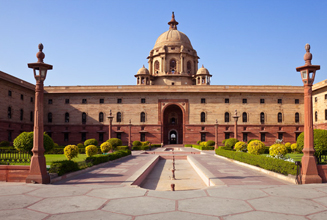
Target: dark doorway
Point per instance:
(173, 125)
(173, 137)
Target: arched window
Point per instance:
(203, 117)
(226, 117)
(142, 117)
(172, 121)
(262, 118)
(279, 117)
(189, 67)
(172, 67)
(21, 114)
(244, 117)
(142, 80)
(156, 66)
(198, 80)
(31, 116)
(66, 117)
(83, 118)
(316, 116)
(101, 117)
(49, 117)
(118, 118)
(203, 80)
(9, 113)
(297, 117)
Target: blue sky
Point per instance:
(240, 42)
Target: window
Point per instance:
(279, 101)
(226, 117)
(189, 67)
(31, 116)
(280, 136)
(118, 118)
(203, 136)
(203, 117)
(325, 114)
(49, 101)
(226, 100)
(9, 92)
(203, 100)
(142, 117)
(66, 137)
(142, 137)
(9, 112)
(49, 117)
(21, 116)
(22, 97)
(118, 101)
(316, 99)
(83, 118)
(31, 99)
(83, 136)
(9, 135)
(66, 101)
(262, 118)
(245, 137)
(101, 101)
(244, 117)
(156, 66)
(297, 101)
(279, 117)
(296, 136)
(325, 96)
(172, 67)
(244, 101)
(100, 136)
(143, 100)
(172, 84)
(263, 137)
(227, 135)
(172, 121)
(84, 101)
(262, 101)
(297, 117)
(118, 135)
(66, 117)
(101, 117)
(316, 116)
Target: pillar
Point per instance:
(235, 125)
(216, 134)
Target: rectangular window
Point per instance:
(325, 96)
(245, 101)
(297, 101)
(22, 97)
(226, 100)
(31, 99)
(203, 136)
(66, 101)
(49, 101)
(83, 136)
(227, 135)
(143, 100)
(66, 137)
(142, 137)
(119, 101)
(263, 137)
(119, 136)
(9, 92)
(279, 101)
(84, 101)
(31, 116)
(325, 114)
(9, 135)
(316, 99)
(203, 100)
(245, 137)
(262, 101)
(101, 101)
(280, 136)
(100, 136)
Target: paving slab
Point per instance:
(258, 215)
(98, 214)
(15, 189)
(295, 192)
(176, 215)
(115, 193)
(176, 195)
(58, 191)
(237, 193)
(17, 201)
(21, 214)
(318, 216)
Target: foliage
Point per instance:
(224, 148)
(140, 148)
(137, 144)
(105, 147)
(145, 143)
(256, 147)
(91, 150)
(288, 144)
(97, 159)
(210, 143)
(55, 145)
(203, 147)
(223, 142)
(24, 142)
(240, 146)
(279, 166)
(198, 142)
(80, 145)
(294, 147)
(231, 142)
(4, 143)
(319, 141)
(203, 144)
(64, 166)
(155, 145)
(122, 148)
(288, 147)
(277, 150)
(90, 142)
(71, 151)
(187, 145)
(252, 140)
(115, 142)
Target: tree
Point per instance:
(24, 142)
(319, 141)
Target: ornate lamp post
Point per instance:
(309, 164)
(110, 117)
(130, 134)
(235, 125)
(38, 171)
(216, 134)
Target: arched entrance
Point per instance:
(173, 125)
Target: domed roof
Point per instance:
(202, 71)
(173, 36)
(143, 71)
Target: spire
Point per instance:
(173, 23)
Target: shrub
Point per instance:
(203, 147)
(223, 142)
(252, 140)
(4, 144)
(187, 145)
(105, 147)
(210, 143)
(91, 150)
(203, 144)
(115, 142)
(90, 142)
(277, 150)
(198, 142)
(97, 159)
(137, 144)
(256, 147)
(224, 148)
(155, 145)
(55, 145)
(145, 143)
(231, 142)
(240, 146)
(122, 148)
(80, 145)
(71, 151)
(288, 147)
(136, 148)
(294, 147)
(319, 141)
(24, 142)
(62, 167)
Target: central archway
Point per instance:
(173, 125)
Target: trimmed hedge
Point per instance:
(140, 148)
(97, 159)
(63, 166)
(188, 145)
(91, 142)
(200, 147)
(61, 151)
(122, 148)
(4, 143)
(155, 145)
(276, 165)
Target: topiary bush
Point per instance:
(122, 148)
(91, 150)
(62, 167)
(210, 143)
(105, 147)
(230, 143)
(137, 144)
(91, 142)
(115, 142)
(80, 145)
(203, 144)
(240, 146)
(256, 147)
(252, 140)
(24, 142)
(4, 144)
(288, 147)
(294, 147)
(277, 150)
(198, 142)
(71, 151)
(319, 141)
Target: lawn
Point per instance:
(55, 157)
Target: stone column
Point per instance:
(235, 125)
(216, 134)
(110, 117)
(130, 135)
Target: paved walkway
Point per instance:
(104, 194)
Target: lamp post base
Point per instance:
(309, 168)
(307, 179)
(42, 179)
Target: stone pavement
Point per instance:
(104, 194)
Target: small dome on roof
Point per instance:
(202, 71)
(143, 71)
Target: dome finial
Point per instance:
(307, 56)
(173, 23)
(40, 55)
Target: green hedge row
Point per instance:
(276, 165)
(188, 145)
(140, 148)
(97, 159)
(155, 145)
(122, 148)
(63, 166)
(203, 147)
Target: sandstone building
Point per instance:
(172, 102)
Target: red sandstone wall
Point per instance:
(13, 173)
(322, 171)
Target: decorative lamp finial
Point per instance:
(130, 121)
(173, 23)
(40, 55)
(216, 121)
(307, 56)
(235, 112)
(110, 113)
